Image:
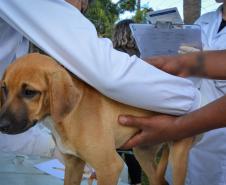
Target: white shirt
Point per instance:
(12, 45)
(35, 141)
(207, 159)
(64, 33)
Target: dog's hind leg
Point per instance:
(178, 159)
(74, 168)
(146, 158)
(162, 164)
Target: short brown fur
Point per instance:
(86, 122)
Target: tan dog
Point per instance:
(84, 121)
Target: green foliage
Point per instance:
(126, 5)
(133, 6)
(103, 14)
(140, 16)
(144, 179)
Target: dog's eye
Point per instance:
(27, 93)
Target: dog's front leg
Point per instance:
(74, 168)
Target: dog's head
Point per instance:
(34, 87)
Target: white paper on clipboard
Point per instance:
(154, 41)
(166, 15)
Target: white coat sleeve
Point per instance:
(64, 33)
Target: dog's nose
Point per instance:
(4, 125)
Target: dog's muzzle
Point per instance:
(14, 124)
(7, 128)
(4, 125)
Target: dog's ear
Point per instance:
(63, 95)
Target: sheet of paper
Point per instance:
(153, 41)
(166, 15)
(52, 167)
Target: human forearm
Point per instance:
(208, 64)
(211, 116)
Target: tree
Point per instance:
(133, 6)
(192, 10)
(129, 5)
(140, 15)
(103, 14)
(126, 5)
(138, 5)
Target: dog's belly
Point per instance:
(49, 123)
(122, 134)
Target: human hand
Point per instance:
(174, 65)
(187, 49)
(153, 130)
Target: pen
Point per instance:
(56, 168)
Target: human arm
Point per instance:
(208, 64)
(162, 128)
(65, 34)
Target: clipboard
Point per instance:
(165, 38)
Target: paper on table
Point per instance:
(52, 167)
(56, 169)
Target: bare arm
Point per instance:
(163, 128)
(209, 64)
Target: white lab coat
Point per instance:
(35, 141)
(64, 33)
(12, 45)
(207, 159)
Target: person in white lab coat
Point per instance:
(64, 33)
(207, 159)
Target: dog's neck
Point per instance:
(48, 122)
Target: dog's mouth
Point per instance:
(12, 131)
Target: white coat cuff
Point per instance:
(197, 101)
